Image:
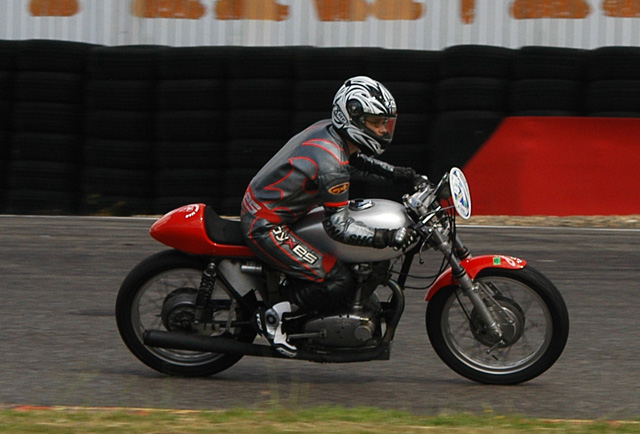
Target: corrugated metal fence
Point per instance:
(398, 24)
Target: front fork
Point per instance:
(455, 252)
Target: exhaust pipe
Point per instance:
(178, 341)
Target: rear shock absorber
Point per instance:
(207, 284)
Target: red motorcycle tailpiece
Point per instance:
(473, 266)
(184, 229)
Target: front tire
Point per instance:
(535, 325)
(158, 294)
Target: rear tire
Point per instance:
(149, 288)
(537, 331)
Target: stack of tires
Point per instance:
(547, 81)
(472, 99)
(120, 130)
(7, 67)
(259, 91)
(613, 82)
(190, 127)
(46, 138)
(319, 73)
(144, 129)
(411, 77)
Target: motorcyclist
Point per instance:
(315, 168)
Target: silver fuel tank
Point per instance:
(375, 213)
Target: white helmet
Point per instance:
(362, 99)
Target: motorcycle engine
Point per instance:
(345, 330)
(353, 327)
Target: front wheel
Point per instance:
(532, 316)
(159, 294)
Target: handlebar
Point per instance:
(426, 193)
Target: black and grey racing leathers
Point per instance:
(312, 169)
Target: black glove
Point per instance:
(397, 238)
(404, 174)
(410, 176)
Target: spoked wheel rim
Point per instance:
(526, 317)
(147, 313)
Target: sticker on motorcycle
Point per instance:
(513, 262)
(191, 210)
(460, 193)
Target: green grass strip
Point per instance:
(325, 420)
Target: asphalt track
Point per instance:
(59, 344)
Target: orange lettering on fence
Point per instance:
(397, 10)
(533, 9)
(269, 10)
(190, 9)
(468, 11)
(342, 10)
(621, 8)
(53, 8)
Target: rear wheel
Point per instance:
(532, 316)
(159, 294)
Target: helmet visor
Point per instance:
(380, 128)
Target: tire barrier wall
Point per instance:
(88, 129)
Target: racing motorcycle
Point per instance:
(191, 310)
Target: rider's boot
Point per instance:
(333, 292)
(273, 318)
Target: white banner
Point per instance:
(398, 24)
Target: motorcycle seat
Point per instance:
(221, 230)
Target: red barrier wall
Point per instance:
(558, 166)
